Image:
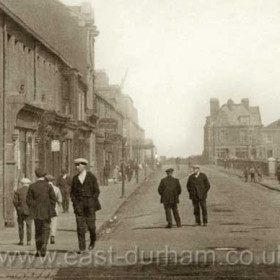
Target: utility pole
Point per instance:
(124, 144)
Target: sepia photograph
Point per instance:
(140, 139)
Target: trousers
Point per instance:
(42, 232)
(65, 202)
(85, 219)
(53, 226)
(197, 205)
(174, 208)
(24, 219)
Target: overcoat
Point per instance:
(169, 190)
(89, 189)
(198, 187)
(41, 200)
(19, 201)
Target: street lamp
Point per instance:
(124, 145)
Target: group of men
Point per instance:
(170, 190)
(39, 202)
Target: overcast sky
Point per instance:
(180, 53)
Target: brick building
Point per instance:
(233, 131)
(271, 140)
(118, 127)
(46, 92)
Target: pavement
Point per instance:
(266, 181)
(66, 240)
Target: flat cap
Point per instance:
(81, 160)
(169, 170)
(25, 181)
(49, 178)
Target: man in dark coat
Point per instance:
(106, 172)
(169, 190)
(23, 213)
(84, 195)
(64, 184)
(41, 200)
(198, 187)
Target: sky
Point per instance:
(181, 53)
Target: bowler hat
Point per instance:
(40, 173)
(81, 161)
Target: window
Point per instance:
(268, 139)
(269, 153)
(243, 136)
(241, 153)
(221, 153)
(244, 119)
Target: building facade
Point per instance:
(46, 93)
(271, 140)
(233, 131)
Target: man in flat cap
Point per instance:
(41, 200)
(169, 190)
(198, 187)
(84, 195)
(23, 213)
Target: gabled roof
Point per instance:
(273, 125)
(235, 114)
(52, 21)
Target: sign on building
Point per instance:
(108, 124)
(55, 146)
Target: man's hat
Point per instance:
(49, 178)
(25, 181)
(81, 160)
(169, 170)
(40, 173)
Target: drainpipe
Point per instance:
(3, 111)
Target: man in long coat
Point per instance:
(84, 195)
(169, 190)
(23, 213)
(198, 187)
(41, 200)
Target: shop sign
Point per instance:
(55, 146)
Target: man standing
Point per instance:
(64, 184)
(106, 173)
(41, 200)
(169, 190)
(23, 213)
(84, 195)
(50, 179)
(198, 187)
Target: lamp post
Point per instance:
(124, 144)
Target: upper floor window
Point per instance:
(244, 119)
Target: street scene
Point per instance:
(139, 139)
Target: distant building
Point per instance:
(232, 131)
(271, 140)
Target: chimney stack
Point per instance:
(245, 103)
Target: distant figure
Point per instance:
(278, 173)
(252, 174)
(198, 187)
(41, 200)
(50, 179)
(136, 170)
(129, 172)
(116, 174)
(259, 174)
(246, 174)
(169, 190)
(106, 173)
(64, 184)
(23, 213)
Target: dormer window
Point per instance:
(244, 119)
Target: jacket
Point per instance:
(41, 200)
(89, 189)
(169, 190)
(19, 201)
(198, 187)
(64, 184)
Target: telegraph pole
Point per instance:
(123, 167)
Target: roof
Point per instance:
(58, 28)
(273, 125)
(236, 115)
